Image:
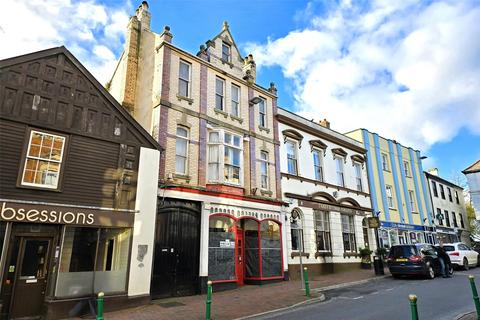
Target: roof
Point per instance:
(475, 167)
(62, 50)
(440, 179)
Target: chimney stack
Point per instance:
(166, 35)
(143, 15)
(249, 69)
(325, 123)
(433, 171)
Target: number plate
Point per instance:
(401, 260)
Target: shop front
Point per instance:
(58, 257)
(447, 235)
(391, 233)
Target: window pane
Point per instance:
(221, 249)
(219, 102)
(180, 164)
(271, 249)
(183, 88)
(219, 87)
(181, 147)
(213, 137)
(184, 71)
(236, 141)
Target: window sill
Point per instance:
(266, 193)
(33, 187)
(182, 177)
(240, 120)
(261, 128)
(297, 254)
(350, 255)
(323, 254)
(227, 62)
(223, 113)
(180, 98)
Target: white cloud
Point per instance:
(92, 31)
(407, 70)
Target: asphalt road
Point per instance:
(387, 298)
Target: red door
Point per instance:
(239, 265)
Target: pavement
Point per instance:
(387, 298)
(247, 302)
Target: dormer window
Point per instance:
(226, 52)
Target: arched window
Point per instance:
(181, 150)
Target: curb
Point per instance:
(349, 284)
(306, 302)
(466, 315)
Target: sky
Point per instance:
(407, 70)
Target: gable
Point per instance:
(53, 90)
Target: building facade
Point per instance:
(220, 210)
(77, 191)
(473, 178)
(398, 189)
(449, 207)
(324, 181)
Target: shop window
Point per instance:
(271, 249)
(43, 160)
(348, 233)
(322, 230)
(221, 248)
(93, 260)
(181, 150)
(252, 256)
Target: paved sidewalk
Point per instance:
(241, 302)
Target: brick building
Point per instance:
(219, 210)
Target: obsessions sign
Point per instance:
(30, 213)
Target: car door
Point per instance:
(431, 257)
(472, 255)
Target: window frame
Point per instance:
(434, 188)
(24, 156)
(385, 162)
(390, 203)
(450, 198)
(229, 55)
(297, 228)
(324, 220)
(339, 161)
(439, 212)
(351, 233)
(187, 139)
(222, 95)
(406, 168)
(411, 197)
(188, 81)
(318, 168)
(264, 162)
(294, 159)
(262, 115)
(447, 218)
(457, 200)
(454, 219)
(358, 176)
(442, 191)
(233, 102)
(222, 145)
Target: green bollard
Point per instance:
(100, 306)
(209, 300)
(413, 306)
(307, 286)
(475, 294)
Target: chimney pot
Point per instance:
(325, 123)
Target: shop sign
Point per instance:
(33, 213)
(373, 222)
(227, 244)
(403, 226)
(446, 230)
(327, 207)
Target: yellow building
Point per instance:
(398, 190)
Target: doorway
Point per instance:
(239, 266)
(177, 249)
(30, 277)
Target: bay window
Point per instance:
(230, 145)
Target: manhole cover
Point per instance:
(169, 304)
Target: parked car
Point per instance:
(414, 259)
(461, 255)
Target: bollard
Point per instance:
(100, 306)
(413, 306)
(307, 285)
(209, 300)
(475, 294)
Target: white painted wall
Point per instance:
(474, 186)
(144, 225)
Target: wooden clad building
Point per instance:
(77, 172)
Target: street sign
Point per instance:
(373, 222)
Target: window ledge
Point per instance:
(350, 255)
(240, 120)
(323, 254)
(223, 113)
(262, 128)
(266, 192)
(180, 98)
(226, 62)
(297, 254)
(182, 177)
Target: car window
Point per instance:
(449, 248)
(428, 250)
(402, 251)
(463, 247)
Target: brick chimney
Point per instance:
(131, 51)
(249, 69)
(325, 123)
(166, 35)
(143, 15)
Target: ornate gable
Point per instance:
(52, 89)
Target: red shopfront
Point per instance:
(244, 250)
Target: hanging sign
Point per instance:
(373, 222)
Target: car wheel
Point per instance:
(430, 273)
(450, 270)
(465, 264)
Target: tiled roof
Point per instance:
(475, 167)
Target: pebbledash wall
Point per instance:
(324, 180)
(220, 209)
(77, 191)
(399, 190)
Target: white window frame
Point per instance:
(322, 226)
(318, 167)
(264, 167)
(180, 79)
(235, 103)
(358, 176)
(220, 95)
(294, 158)
(222, 145)
(385, 162)
(262, 114)
(390, 200)
(406, 168)
(177, 155)
(39, 158)
(413, 206)
(352, 239)
(340, 175)
(229, 54)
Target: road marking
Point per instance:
(389, 289)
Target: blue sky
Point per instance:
(409, 70)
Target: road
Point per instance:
(387, 298)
